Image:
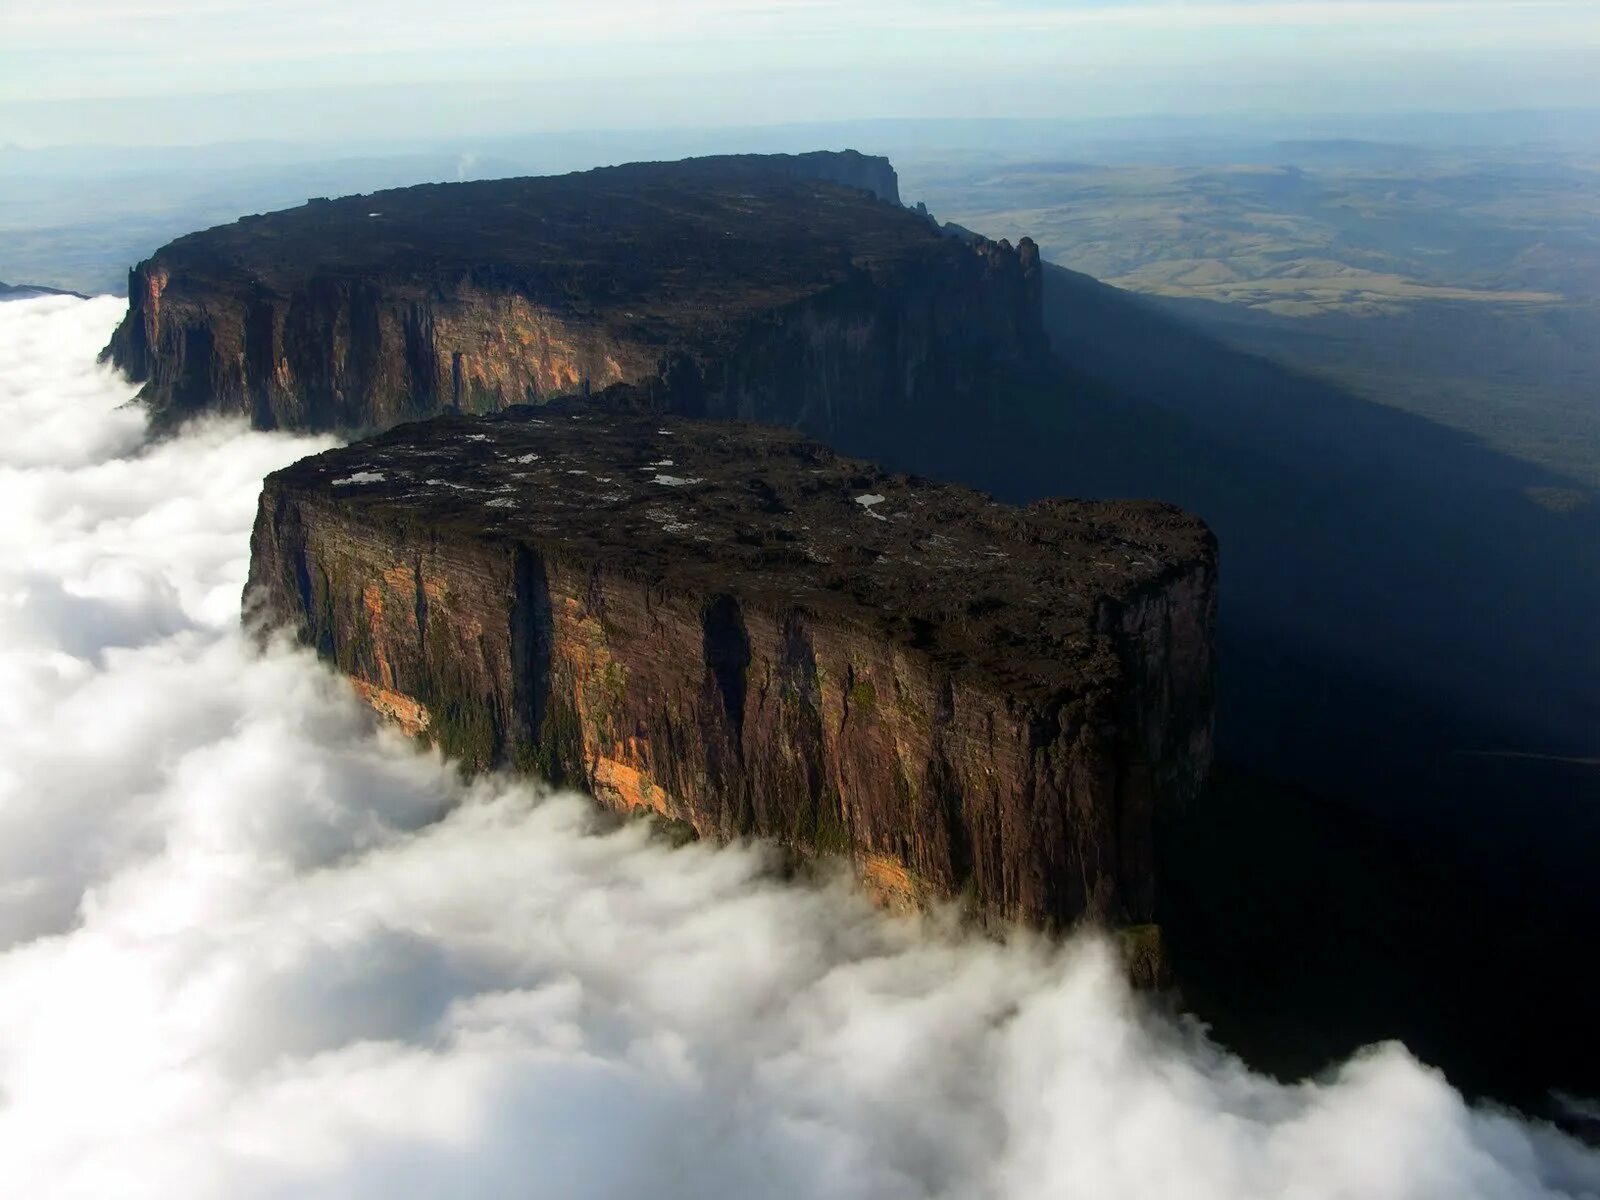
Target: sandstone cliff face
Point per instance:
(744, 633)
(354, 354)
(793, 288)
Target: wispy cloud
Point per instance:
(251, 28)
(639, 17)
(674, 61)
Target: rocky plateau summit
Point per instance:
(792, 289)
(736, 628)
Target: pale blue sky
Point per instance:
(72, 69)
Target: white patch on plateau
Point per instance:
(360, 477)
(668, 521)
(677, 480)
(867, 501)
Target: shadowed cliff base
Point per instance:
(1301, 930)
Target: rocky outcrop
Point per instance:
(737, 629)
(785, 288)
(851, 168)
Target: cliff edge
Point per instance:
(737, 628)
(784, 288)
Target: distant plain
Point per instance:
(1461, 285)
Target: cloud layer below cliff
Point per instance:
(241, 955)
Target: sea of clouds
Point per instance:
(253, 945)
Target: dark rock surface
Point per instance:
(745, 632)
(792, 289)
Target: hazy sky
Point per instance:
(69, 68)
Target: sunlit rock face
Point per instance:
(786, 288)
(734, 627)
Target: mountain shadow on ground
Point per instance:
(1409, 647)
(1401, 606)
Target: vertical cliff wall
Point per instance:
(356, 354)
(909, 342)
(849, 168)
(743, 633)
(789, 287)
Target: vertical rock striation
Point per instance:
(736, 629)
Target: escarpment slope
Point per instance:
(791, 289)
(738, 629)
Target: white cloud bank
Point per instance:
(240, 957)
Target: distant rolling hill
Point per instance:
(24, 291)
